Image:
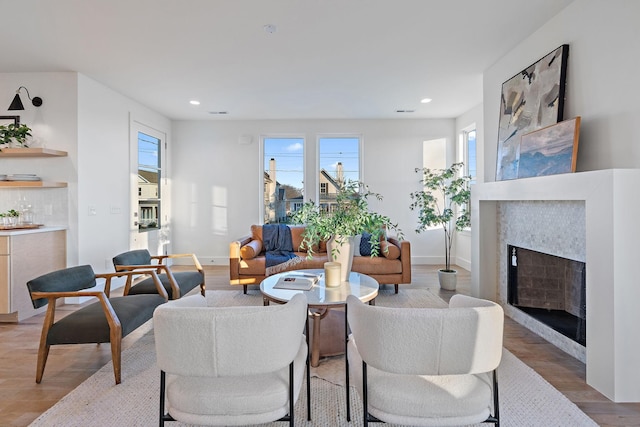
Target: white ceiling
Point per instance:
(326, 59)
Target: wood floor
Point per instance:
(22, 400)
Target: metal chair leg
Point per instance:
(308, 371)
(365, 411)
(346, 361)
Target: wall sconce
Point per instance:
(16, 104)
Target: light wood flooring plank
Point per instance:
(22, 400)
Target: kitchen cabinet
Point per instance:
(24, 255)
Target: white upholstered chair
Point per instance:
(230, 365)
(427, 366)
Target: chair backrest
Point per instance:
(465, 338)
(65, 280)
(195, 340)
(135, 257)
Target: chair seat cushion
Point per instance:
(187, 280)
(89, 324)
(444, 400)
(234, 400)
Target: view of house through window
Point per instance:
(283, 178)
(149, 174)
(339, 162)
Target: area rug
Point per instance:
(526, 399)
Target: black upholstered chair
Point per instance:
(176, 284)
(106, 320)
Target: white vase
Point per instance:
(340, 249)
(448, 279)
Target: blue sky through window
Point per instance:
(289, 156)
(341, 149)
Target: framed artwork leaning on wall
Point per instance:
(530, 100)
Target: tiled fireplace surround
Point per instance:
(552, 227)
(589, 217)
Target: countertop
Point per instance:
(43, 229)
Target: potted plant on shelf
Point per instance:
(10, 217)
(338, 226)
(12, 134)
(443, 202)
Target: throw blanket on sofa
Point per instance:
(278, 246)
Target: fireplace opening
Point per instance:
(550, 289)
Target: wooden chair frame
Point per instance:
(115, 328)
(161, 268)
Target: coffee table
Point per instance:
(321, 299)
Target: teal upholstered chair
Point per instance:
(109, 319)
(177, 284)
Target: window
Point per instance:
(339, 162)
(283, 178)
(323, 188)
(468, 151)
(434, 156)
(149, 175)
(471, 155)
(467, 155)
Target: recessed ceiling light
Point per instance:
(426, 100)
(269, 28)
(194, 102)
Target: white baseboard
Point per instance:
(464, 263)
(426, 260)
(204, 261)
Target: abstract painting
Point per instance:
(532, 99)
(551, 150)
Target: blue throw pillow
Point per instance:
(365, 246)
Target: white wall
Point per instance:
(601, 81)
(216, 191)
(54, 125)
(90, 122)
(104, 170)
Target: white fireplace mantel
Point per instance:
(612, 207)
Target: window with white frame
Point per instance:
(149, 179)
(283, 178)
(434, 156)
(467, 150)
(339, 162)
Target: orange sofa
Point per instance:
(247, 263)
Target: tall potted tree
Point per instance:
(349, 217)
(443, 202)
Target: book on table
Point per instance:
(297, 281)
